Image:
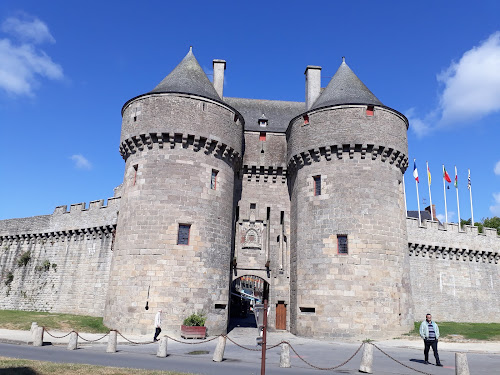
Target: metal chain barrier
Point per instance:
(56, 337)
(402, 364)
(241, 346)
(324, 368)
(191, 343)
(100, 338)
(133, 342)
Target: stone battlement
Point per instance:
(79, 216)
(361, 151)
(196, 143)
(93, 205)
(447, 240)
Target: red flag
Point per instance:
(446, 176)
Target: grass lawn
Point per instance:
(473, 331)
(10, 366)
(21, 320)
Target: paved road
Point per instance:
(242, 362)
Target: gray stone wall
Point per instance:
(349, 295)
(455, 275)
(67, 269)
(264, 184)
(172, 186)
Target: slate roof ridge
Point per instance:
(345, 88)
(189, 78)
(263, 100)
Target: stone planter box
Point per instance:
(193, 332)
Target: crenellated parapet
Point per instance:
(349, 151)
(210, 146)
(259, 173)
(53, 237)
(93, 205)
(431, 239)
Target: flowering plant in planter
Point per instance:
(193, 327)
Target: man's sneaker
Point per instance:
(426, 362)
(439, 364)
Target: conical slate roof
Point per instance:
(188, 77)
(345, 88)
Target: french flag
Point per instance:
(415, 172)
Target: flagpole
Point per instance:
(444, 192)
(471, 208)
(418, 199)
(429, 183)
(404, 194)
(458, 203)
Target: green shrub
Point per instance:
(9, 278)
(195, 320)
(46, 264)
(24, 259)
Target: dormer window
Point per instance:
(263, 121)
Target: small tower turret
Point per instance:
(182, 146)
(346, 156)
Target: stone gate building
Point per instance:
(306, 196)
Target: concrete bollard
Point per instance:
(367, 359)
(461, 364)
(112, 338)
(34, 326)
(285, 356)
(219, 349)
(38, 336)
(162, 348)
(73, 341)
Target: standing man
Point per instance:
(157, 325)
(429, 331)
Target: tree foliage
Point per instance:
(489, 222)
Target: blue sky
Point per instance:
(66, 69)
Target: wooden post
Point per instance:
(263, 361)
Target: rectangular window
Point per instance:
(307, 309)
(183, 234)
(262, 136)
(317, 185)
(342, 244)
(253, 206)
(369, 110)
(268, 216)
(213, 180)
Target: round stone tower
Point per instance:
(349, 267)
(181, 145)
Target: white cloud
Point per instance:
(495, 210)
(81, 162)
(471, 89)
(497, 168)
(22, 64)
(30, 29)
(442, 217)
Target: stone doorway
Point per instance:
(246, 291)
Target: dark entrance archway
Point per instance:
(246, 291)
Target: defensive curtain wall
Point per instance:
(455, 275)
(58, 262)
